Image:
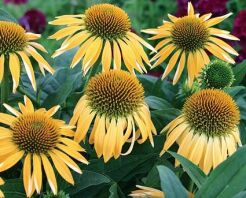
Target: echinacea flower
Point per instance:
(144, 192)
(1, 183)
(102, 31)
(217, 74)
(114, 100)
(35, 137)
(34, 21)
(186, 39)
(16, 46)
(206, 131)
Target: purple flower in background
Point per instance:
(33, 21)
(239, 30)
(216, 7)
(15, 1)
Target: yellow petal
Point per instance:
(38, 46)
(1, 67)
(31, 36)
(171, 63)
(52, 111)
(81, 51)
(163, 54)
(12, 110)
(62, 168)
(217, 20)
(205, 56)
(217, 156)
(119, 138)
(117, 55)
(7, 119)
(190, 9)
(37, 172)
(14, 66)
(11, 161)
(180, 68)
(190, 68)
(197, 151)
(27, 177)
(29, 70)
(76, 155)
(49, 173)
(28, 104)
(39, 59)
(92, 52)
(172, 18)
(66, 21)
(99, 136)
(205, 17)
(231, 145)
(143, 42)
(67, 31)
(67, 160)
(71, 143)
(109, 141)
(208, 158)
(224, 45)
(218, 52)
(106, 56)
(84, 123)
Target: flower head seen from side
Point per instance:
(37, 138)
(115, 101)
(1, 183)
(102, 31)
(217, 74)
(186, 40)
(144, 192)
(206, 131)
(16, 46)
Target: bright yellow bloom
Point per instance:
(114, 100)
(206, 131)
(16, 46)
(1, 183)
(186, 40)
(102, 31)
(36, 137)
(146, 192)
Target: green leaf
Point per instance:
(240, 195)
(227, 179)
(195, 173)
(157, 103)
(85, 180)
(170, 184)
(113, 191)
(65, 81)
(239, 72)
(13, 188)
(5, 16)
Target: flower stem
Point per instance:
(5, 86)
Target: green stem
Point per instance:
(5, 85)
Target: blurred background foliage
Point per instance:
(118, 177)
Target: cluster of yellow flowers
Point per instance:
(113, 102)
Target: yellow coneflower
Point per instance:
(186, 40)
(206, 131)
(146, 192)
(115, 101)
(16, 46)
(35, 136)
(1, 183)
(102, 31)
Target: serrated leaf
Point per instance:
(227, 179)
(5, 16)
(170, 184)
(239, 72)
(85, 180)
(195, 173)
